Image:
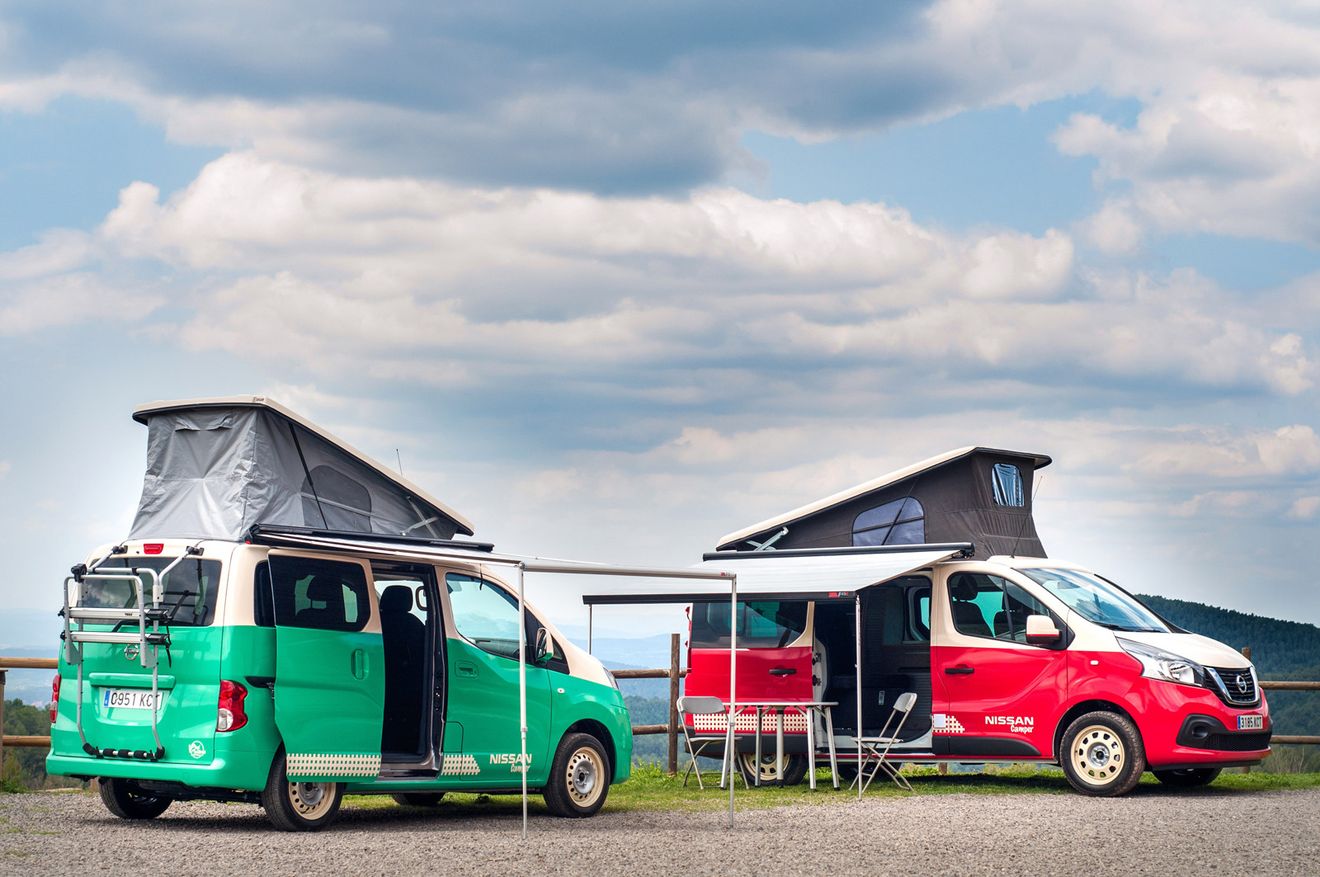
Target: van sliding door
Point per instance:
(329, 667)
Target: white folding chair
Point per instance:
(698, 706)
(876, 749)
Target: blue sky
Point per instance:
(618, 280)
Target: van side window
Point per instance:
(320, 594)
(988, 606)
(919, 614)
(263, 605)
(762, 624)
(484, 614)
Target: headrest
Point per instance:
(962, 587)
(396, 600)
(325, 589)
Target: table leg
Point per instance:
(810, 714)
(726, 765)
(779, 745)
(759, 712)
(829, 739)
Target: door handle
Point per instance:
(465, 669)
(783, 671)
(359, 664)
(960, 670)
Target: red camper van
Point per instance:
(1012, 657)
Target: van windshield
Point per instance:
(1098, 600)
(189, 589)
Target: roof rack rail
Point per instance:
(964, 549)
(263, 534)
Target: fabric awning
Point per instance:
(805, 575)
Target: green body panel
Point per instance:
(329, 701)
(481, 712)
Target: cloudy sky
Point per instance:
(616, 279)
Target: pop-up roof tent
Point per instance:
(977, 495)
(216, 467)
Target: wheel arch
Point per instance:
(600, 732)
(1088, 706)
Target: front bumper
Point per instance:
(1182, 726)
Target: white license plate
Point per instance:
(130, 699)
(1253, 722)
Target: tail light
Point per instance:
(54, 698)
(230, 715)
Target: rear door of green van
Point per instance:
(116, 696)
(329, 666)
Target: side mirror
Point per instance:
(1041, 631)
(542, 652)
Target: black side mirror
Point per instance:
(544, 649)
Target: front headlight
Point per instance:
(1159, 664)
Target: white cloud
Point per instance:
(1304, 508)
(5, 466)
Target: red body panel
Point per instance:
(708, 675)
(1011, 693)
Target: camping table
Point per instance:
(779, 707)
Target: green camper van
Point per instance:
(289, 622)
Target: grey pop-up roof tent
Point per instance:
(973, 494)
(218, 466)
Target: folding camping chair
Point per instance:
(699, 706)
(877, 748)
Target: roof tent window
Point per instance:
(901, 522)
(1007, 481)
(333, 500)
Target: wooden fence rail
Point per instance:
(674, 672)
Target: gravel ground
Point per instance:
(1147, 832)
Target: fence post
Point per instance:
(673, 704)
(2, 722)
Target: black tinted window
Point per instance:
(322, 594)
(189, 590)
(901, 522)
(761, 624)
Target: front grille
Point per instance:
(1239, 742)
(1235, 687)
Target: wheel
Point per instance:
(1102, 754)
(127, 800)
(418, 799)
(579, 777)
(299, 806)
(795, 768)
(1187, 777)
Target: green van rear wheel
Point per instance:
(127, 800)
(299, 806)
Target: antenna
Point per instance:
(399, 457)
(1026, 516)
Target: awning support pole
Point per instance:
(857, 629)
(522, 692)
(733, 687)
(591, 611)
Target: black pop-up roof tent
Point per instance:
(977, 495)
(216, 467)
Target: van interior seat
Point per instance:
(327, 591)
(967, 615)
(404, 637)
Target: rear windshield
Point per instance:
(189, 589)
(763, 624)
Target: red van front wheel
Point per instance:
(1102, 754)
(1187, 777)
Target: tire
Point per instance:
(418, 799)
(1187, 777)
(1102, 754)
(297, 806)
(795, 769)
(127, 800)
(579, 778)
